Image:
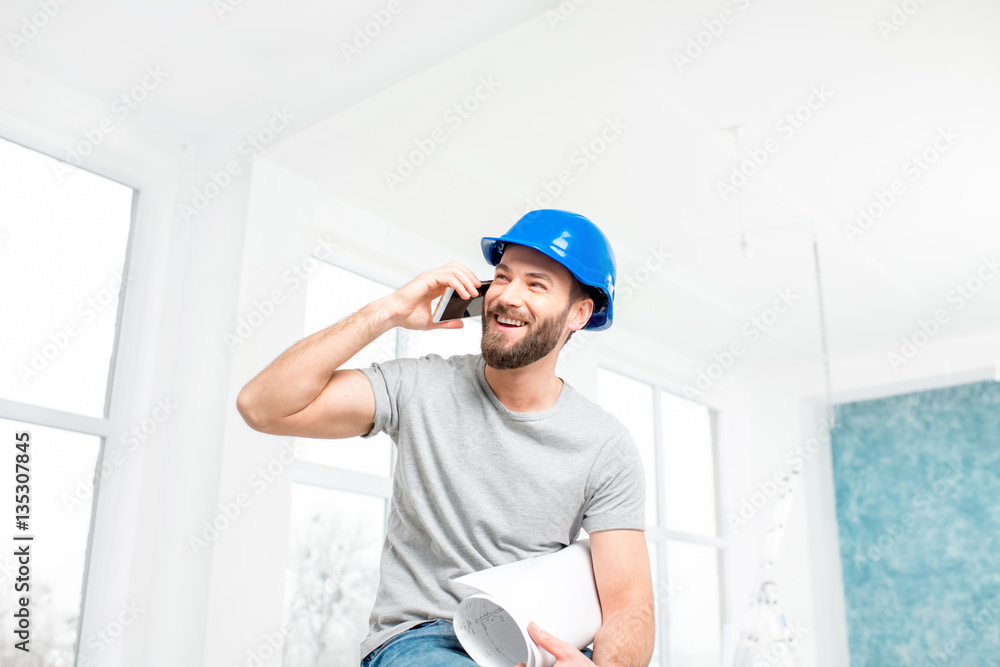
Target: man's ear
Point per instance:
(580, 314)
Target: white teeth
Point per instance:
(507, 320)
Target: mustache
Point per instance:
(514, 315)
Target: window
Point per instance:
(336, 538)
(331, 295)
(64, 238)
(675, 438)
(341, 491)
(63, 242)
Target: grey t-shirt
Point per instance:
(477, 485)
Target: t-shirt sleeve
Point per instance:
(616, 489)
(392, 382)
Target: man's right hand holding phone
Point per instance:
(410, 306)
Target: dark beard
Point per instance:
(529, 349)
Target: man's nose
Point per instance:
(511, 296)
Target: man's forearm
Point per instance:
(626, 638)
(300, 373)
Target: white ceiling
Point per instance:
(656, 185)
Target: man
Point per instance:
(497, 459)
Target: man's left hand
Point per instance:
(566, 655)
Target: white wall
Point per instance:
(246, 588)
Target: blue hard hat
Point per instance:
(573, 241)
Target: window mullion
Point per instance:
(66, 421)
(316, 474)
(659, 452)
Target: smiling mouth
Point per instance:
(508, 323)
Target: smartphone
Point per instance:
(454, 307)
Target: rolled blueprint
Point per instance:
(557, 591)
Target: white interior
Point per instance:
(560, 83)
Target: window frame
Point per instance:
(115, 396)
(658, 534)
(343, 479)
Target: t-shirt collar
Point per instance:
(518, 416)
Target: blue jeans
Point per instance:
(430, 644)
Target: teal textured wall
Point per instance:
(917, 480)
